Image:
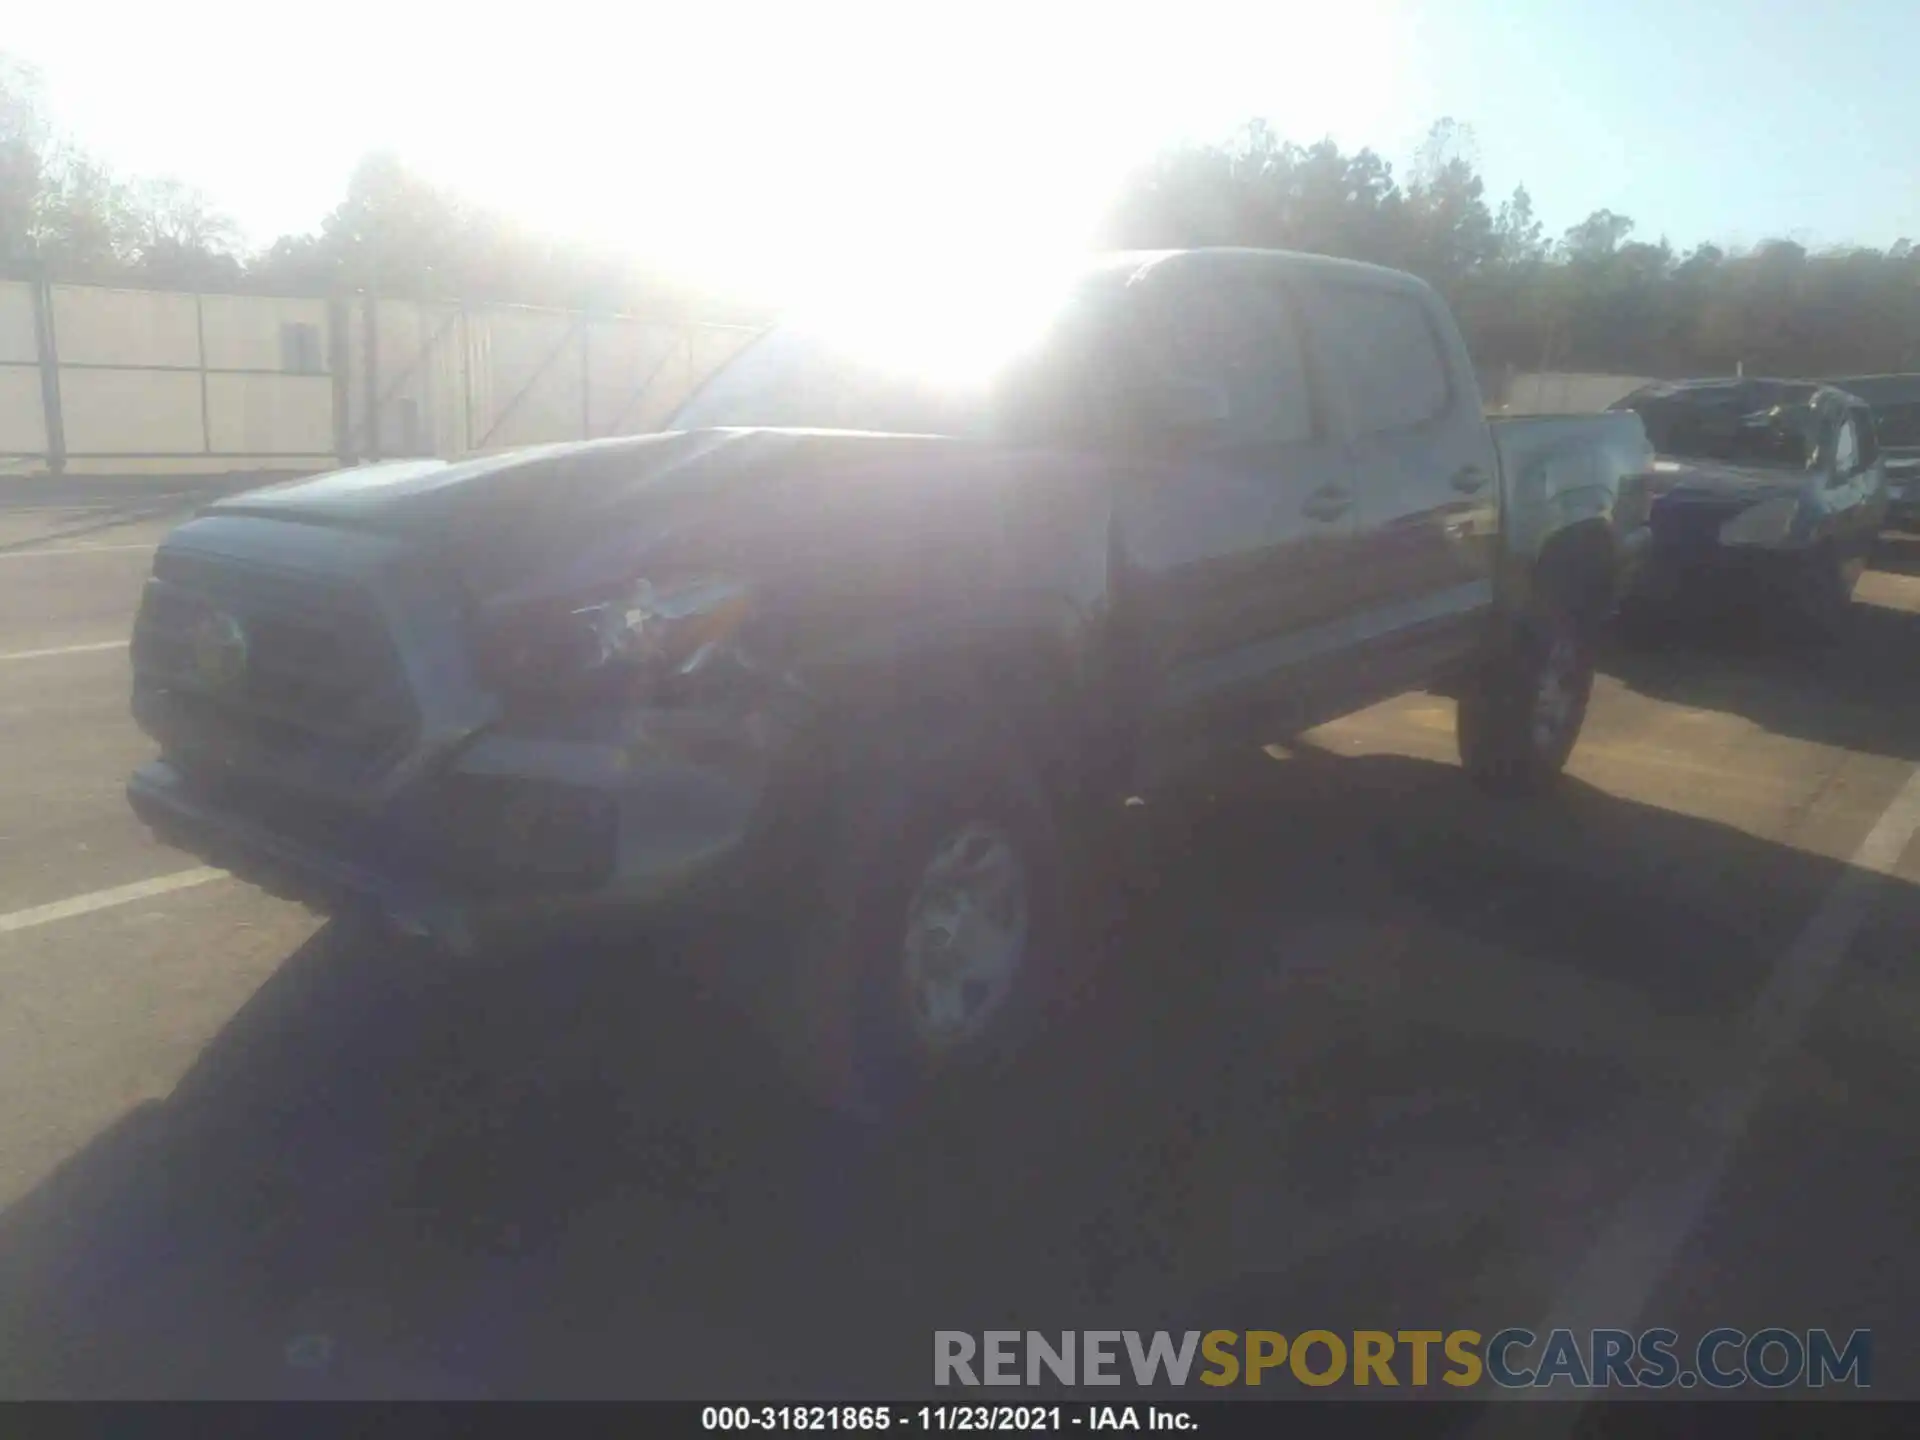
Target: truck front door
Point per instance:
(1237, 519)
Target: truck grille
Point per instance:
(267, 672)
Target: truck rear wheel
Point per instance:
(1522, 711)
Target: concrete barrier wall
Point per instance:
(167, 382)
(1554, 392)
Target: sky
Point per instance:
(743, 142)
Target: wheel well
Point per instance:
(1576, 570)
(1031, 687)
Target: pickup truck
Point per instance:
(873, 645)
(1763, 490)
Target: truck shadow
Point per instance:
(1861, 692)
(1308, 1076)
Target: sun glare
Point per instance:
(809, 146)
(949, 319)
(757, 147)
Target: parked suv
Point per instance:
(878, 644)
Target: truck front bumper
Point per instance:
(519, 836)
(1687, 560)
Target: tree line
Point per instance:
(66, 215)
(1594, 298)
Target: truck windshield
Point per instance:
(1033, 376)
(797, 378)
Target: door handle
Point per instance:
(1469, 478)
(1329, 503)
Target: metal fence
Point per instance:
(114, 380)
(105, 380)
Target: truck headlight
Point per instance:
(634, 630)
(1767, 523)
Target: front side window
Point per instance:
(1234, 340)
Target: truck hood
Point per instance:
(495, 518)
(424, 497)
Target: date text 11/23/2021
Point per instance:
(935, 1419)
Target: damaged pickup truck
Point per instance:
(1767, 493)
(870, 647)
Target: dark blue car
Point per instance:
(1768, 491)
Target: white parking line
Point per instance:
(107, 899)
(1643, 1239)
(72, 550)
(64, 650)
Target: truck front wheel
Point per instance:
(941, 930)
(1521, 712)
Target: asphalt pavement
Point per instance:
(1368, 1051)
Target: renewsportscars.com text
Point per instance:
(1513, 1358)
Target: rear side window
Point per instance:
(1381, 347)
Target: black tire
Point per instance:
(1512, 742)
(900, 793)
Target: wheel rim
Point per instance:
(1558, 695)
(966, 935)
